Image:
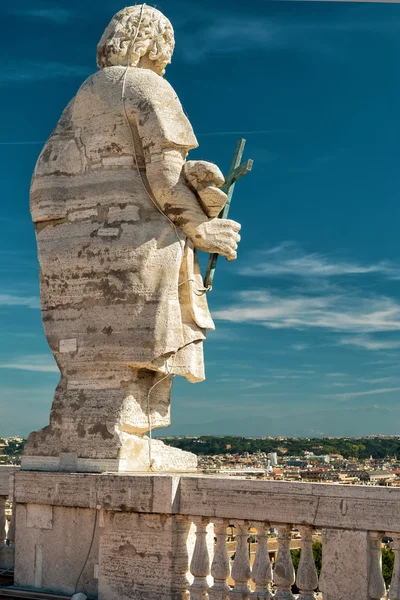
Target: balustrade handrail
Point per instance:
(320, 505)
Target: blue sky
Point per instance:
(308, 317)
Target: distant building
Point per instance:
(273, 456)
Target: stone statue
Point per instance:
(119, 215)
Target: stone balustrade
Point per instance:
(7, 520)
(351, 521)
(165, 535)
(265, 580)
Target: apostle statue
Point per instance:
(119, 215)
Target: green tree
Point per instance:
(317, 552)
(387, 565)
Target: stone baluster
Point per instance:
(200, 563)
(220, 565)
(394, 589)
(307, 576)
(376, 583)
(11, 528)
(241, 570)
(3, 519)
(262, 568)
(180, 585)
(284, 575)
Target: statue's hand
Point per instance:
(217, 235)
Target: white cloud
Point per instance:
(342, 313)
(35, 71)
(350, 395)
(250, 132)
(300, 347)
(366, 342)
(336, 375)
(338, 384)
(56, 15)
(287, 259)
(202, 32)
(375, 380)
(21, 143)
(39, 362)
(223, 34)
(11, 300)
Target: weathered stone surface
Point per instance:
(138, 493)
(6, 557)
(5, 475)
(133, 456)
(50, 553)
(117, 227)
(355, 507)
(138, 557)
(345, 566)
(145, 529)
(206, 178)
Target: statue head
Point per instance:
(150, 47)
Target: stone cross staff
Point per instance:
(119, 215)
(237, 171)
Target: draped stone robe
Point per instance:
(119, 285)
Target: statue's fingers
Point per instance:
(232, 225)
(235, 225)
(236, 237)
(230, 240)
(231, 256)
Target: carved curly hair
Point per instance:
(155, 38)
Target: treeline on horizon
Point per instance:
(348, 447)
(360, 448)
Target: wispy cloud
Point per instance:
(350, 395)
(300, 347)
(366, 342)
(375, 380)
(237, 34)
(40, 362)
(288, 259)
(342, 313)
(203, 32)
(10, 300)
(56, 15)
(250, 132)
(21, 143)
(336, 374)
(28, 71)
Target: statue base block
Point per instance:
(101, 535)
(134, 455)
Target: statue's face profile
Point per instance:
(138, 36)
